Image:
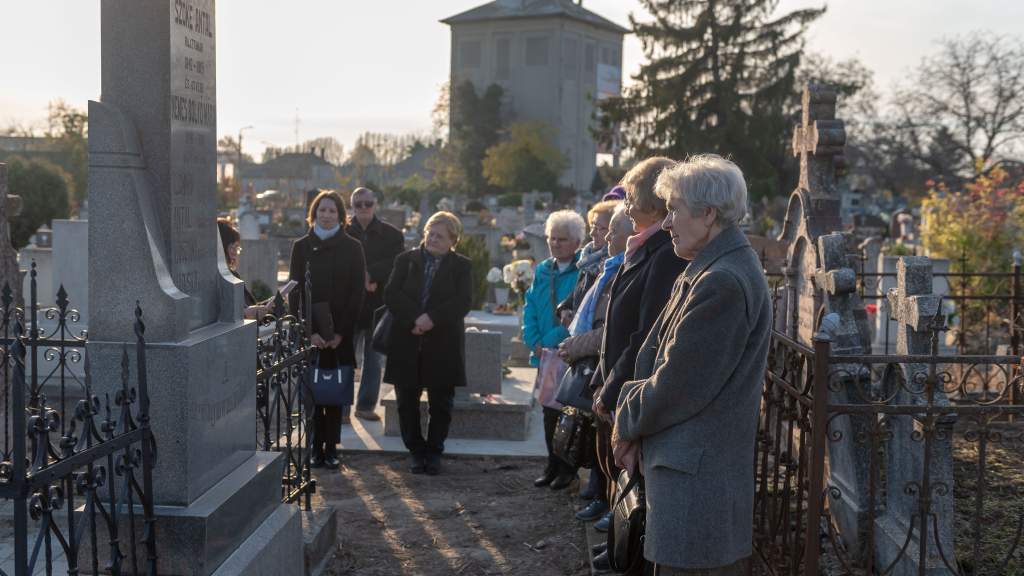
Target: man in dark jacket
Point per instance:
(381, 243)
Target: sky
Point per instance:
(343, 67)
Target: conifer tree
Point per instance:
(718, 78)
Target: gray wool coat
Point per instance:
(694, 407)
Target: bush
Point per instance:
(475, 206)
(43, 188)
(474, 248)
(510, 200)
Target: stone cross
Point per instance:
(916, 309)
(819, 140)
(10, 272)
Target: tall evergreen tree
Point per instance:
(476, 123)
(718, 79)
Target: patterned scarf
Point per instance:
(430, 264)
(584, 320)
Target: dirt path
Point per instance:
(481, 516)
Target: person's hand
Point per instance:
(563, 350)
(317, 341)
(371, 287)
(334, 342)
(424, 324)
(536, 350)
(599, 409)
(566, 317)
(626, 453)
(256, 312)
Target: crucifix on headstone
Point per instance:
(10, 272)
(819, 140)
(917, 312)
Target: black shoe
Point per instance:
(593, 511)
(546, 478)
(433, 467)
(598, 548)
(562, 481)
(601, 562)
(418, 465)
(316, 461)
(332, 461)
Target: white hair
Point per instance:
(569, 222)
(623, 218)
(706, 181)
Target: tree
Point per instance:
(69, 126)
(718, 78)
(44, 190)
(475, 126)
(527, 160)
(963, 114)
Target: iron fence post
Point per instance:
(19, 478)
(816, 485)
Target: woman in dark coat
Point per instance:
(337, 284)
(429, 294)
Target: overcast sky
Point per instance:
(346, 66)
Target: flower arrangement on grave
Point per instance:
(497, 280)
(518, 275)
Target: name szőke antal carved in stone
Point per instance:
(197, 20)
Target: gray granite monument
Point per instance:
(898, 531)
(153, 239)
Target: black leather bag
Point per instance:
(383, 320)
(573, 440)
(574, 389)
(626, 533)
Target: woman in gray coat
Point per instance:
(692, 411)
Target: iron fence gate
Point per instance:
(76, 469)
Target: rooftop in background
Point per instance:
(520, 9)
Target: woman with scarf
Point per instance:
(591, 257)
(587, 329)
(337, 271)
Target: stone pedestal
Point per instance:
(483, 362)
(505, 417)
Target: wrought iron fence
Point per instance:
(284, 421)
(888, 465)
(77, 471)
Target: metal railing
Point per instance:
(78, 471)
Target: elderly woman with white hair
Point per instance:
(553, 281)
(692, 407)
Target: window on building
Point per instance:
(590, 61)
(503, 59)
(537, 51)
(469, 54)
(569, 58)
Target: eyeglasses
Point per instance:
(364, 204)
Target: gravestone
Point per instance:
(483, 362)
(10, 271)
(813, 210)
(917, 313)
(71, 263)
(153, 239)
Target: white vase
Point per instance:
(500, 296)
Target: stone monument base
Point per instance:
(890, 536)
(504, 417)
(239, 526)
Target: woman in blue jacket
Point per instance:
(553, 281)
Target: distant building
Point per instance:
(553, 58)
(290, 174)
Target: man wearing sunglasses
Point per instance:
(381, 243)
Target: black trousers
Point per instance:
(326, 429)
(440, 399)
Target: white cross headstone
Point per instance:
(10, 273)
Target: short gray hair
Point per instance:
(620, 212)
(363, 191)
(706, 181)
(569, 221)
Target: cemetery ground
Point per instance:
(480, 516)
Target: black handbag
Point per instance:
(626, 532)
(383, 320)
(573, 440)
(574, 389)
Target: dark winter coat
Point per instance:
(639, 291)
(381, 243)
(337, 276)
(438, 355)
